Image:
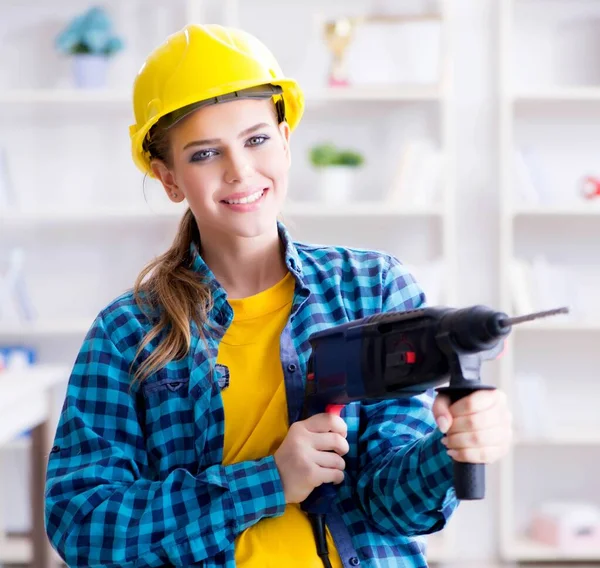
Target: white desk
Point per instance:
(26, 403)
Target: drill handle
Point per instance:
(469, 478)
(320, 499)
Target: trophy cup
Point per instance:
(338, 35)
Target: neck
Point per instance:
(244, 266)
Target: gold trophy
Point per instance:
(338, 35)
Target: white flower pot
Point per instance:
(336, 183)
(90, 71)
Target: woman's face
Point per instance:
(230, 161)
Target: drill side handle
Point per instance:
(465, 369)
(469, 478)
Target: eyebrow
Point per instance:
(210, 141)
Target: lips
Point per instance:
(243, 198)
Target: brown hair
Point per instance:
(168, 285)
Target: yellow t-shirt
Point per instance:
(256, 422)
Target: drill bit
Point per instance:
(506, 322)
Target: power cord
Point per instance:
(318, 526)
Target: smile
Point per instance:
(248, 199)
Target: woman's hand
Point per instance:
(478, 427)
(311, 454)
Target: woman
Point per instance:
(181, 441)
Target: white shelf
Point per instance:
(327, 94)
(529, 550)
(582, 438)
(63, 96)
(41, 329)
(316, 209)
(558, 94)
(86, 216)
(567, 326)
(18, 550)
(15, 550)
(44, 374)
(566, 210)
(20, 443)
(376, 94)
(437, 549)
(359, 209)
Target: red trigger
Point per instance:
(334, 409)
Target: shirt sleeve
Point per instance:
(103, 508)
(405, 475)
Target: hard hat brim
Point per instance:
(260, 92)
(291, 93)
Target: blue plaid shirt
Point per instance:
(135, 477)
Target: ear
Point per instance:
(284, 129)
(167, 178)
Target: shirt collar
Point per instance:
(219, 296)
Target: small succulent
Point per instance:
(90, 33)
(329, 155)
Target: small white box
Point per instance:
(569, 526)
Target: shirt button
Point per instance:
(55, 449)
(354, 561)
(292, 368)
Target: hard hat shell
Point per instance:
(197, 63)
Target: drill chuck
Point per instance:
(476, 328)
(479, 328)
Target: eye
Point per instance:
(203, 155)
(257, 140)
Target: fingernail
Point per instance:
(452, 453)
(443, 424)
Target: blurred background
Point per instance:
(462, 136)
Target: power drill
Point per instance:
(399, 354)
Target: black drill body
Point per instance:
(400, 354)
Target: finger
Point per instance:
(329, 475)
(477, 402)
(329, 460)
(330, 441)
(497, 416)
(441, 412)
(489, 454)
(476, 422)
(325, 422)
(477, 439)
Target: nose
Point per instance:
(238, 167)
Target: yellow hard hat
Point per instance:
(205, 64)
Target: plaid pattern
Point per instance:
(135, 476)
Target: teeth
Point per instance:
(250, 199)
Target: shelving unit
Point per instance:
(76, 224)
(26, 403)
(555, 459)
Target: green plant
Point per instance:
(89, 33)
(328, 154)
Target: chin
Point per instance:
(254, 227)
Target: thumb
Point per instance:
(441, 412)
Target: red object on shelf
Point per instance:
(590, 187)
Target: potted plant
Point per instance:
(337, 169)
(90, 41)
